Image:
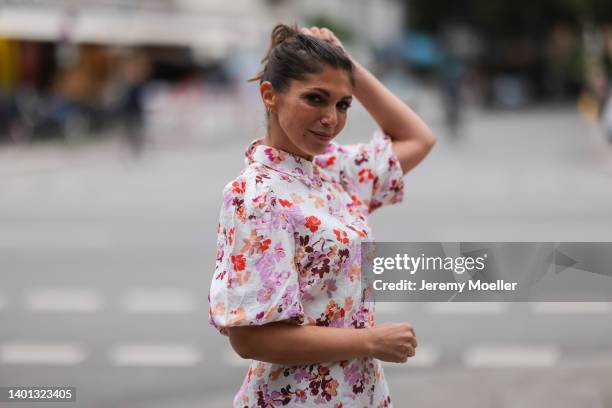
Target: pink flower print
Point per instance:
(274, 155)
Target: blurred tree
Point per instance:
(541, 41)
(341, 31)
(504, 17)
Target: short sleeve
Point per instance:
(255, 280)
(372, 171)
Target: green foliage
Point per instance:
(503, 16)
(341, 31)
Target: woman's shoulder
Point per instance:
(339, 157)
(333, 157)
(251, 184)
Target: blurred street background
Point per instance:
(122, 120)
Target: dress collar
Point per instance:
(307, 171)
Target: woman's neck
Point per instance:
(278, 139)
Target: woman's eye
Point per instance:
(314, 98)
(344, 106)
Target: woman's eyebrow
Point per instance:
(326, 93)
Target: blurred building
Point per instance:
(65, 63)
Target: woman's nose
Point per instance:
(330, 118)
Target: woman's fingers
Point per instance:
(413, 341)
(320, 32)
(315, 31)
(327, 34)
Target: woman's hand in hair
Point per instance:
(323, 34)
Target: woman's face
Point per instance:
(311, 112)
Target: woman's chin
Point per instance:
(321, 148)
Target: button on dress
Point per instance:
(289, 249)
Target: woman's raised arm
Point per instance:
(411, 137)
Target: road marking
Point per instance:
(154, 355)
(467, 308)
(39, 353)
(159, 301)
(511, 356)
(62, 300)
(425, 357)
(571, 307)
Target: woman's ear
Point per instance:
(268, 95)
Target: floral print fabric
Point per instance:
(288, 249)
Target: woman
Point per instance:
(286, 287)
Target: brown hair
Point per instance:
(293, 55)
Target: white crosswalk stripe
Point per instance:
(159, 301)
(467, 308)
(41, 353)
(571, 307)
(78, 300)
(511, 356)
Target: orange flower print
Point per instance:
(331, 386)
(285, 203)
(259, 370)
(240, 279)
(356, 200)
(255, 243)
(365, 174)
(239, 262)
(219, 309)
(318, 201)
(312, 223)
(341, 236)
(361, 233)
(330, 161)
(296, 199)
(354, 273)
(238, 315)
(238, 187)
(274, 374)
(348, 303)
(260, 201)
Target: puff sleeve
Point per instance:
(255, 280)
(371, 171)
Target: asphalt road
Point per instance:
(106, 264)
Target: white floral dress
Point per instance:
(288, 249)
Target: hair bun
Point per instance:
(281, 33)
(293, 55)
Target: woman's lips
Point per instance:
(324, 136)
